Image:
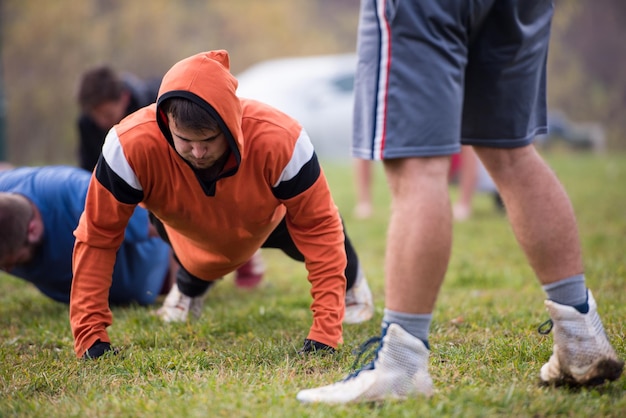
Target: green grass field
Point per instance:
(240, 359)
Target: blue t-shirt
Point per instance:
(59, 193)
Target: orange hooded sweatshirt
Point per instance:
(214, 226)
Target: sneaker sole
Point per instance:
(606, 370)
(364, 314)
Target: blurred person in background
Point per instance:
(469, 173)
(466, 170)
(364, 180)
(105, 97)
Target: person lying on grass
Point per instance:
(39, 210)
(223, 176)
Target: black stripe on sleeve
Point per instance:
(306, 177)
(121, 190)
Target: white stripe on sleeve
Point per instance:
(114, 156)
(302, 153)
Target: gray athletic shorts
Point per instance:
(435, 74)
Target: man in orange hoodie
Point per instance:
(105, 97)
(223, 177)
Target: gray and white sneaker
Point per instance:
(399, 371)
(359, 303)
(177, 306)
(582, 354)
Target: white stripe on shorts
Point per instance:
(383, 81)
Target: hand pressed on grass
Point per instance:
(312, 346)
(98, 349)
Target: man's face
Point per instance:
(110, 112)
(200, 148)
(33, 237)
(21, 256)
(25, 253)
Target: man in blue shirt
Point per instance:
(39, 210)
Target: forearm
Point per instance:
(322, 244)
(328, 293)
(89, 300)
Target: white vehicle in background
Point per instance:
(317, 91)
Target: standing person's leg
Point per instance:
(504, 109)
(544, 223)
(419, 239)
(539, 211)
(468, 180)
(419, 236)
(363, 180)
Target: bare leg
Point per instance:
(539, 210)
(420, 233)
(363, 176)
(468, 179)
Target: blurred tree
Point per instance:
(47, 45)
(587, 58)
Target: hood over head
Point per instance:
(205, 79)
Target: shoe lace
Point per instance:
(369, 360)
(545, 327)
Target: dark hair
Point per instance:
(97, 86)
(15, 214)
(189, 114)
